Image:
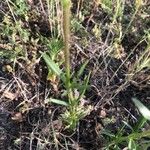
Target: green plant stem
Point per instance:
(66, 32)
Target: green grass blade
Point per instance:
(51, 64)
(132, 145)
(141, 122)
(108, 133)
(143, 110)
(80, 72)
(86, 81)
(56, 101)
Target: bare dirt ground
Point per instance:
(26, 122)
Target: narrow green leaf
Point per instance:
(128, 125)
(132, 145)
(108, 133)
(51, 64)
(143, 110)
(56, 101)
(86, 81)
(141, 122)
(80, 72)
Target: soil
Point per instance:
(26, 122)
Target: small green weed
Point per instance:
(75, 111)
(51, 58)
(134, 140)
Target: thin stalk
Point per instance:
(11, 10)
(66, 32)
